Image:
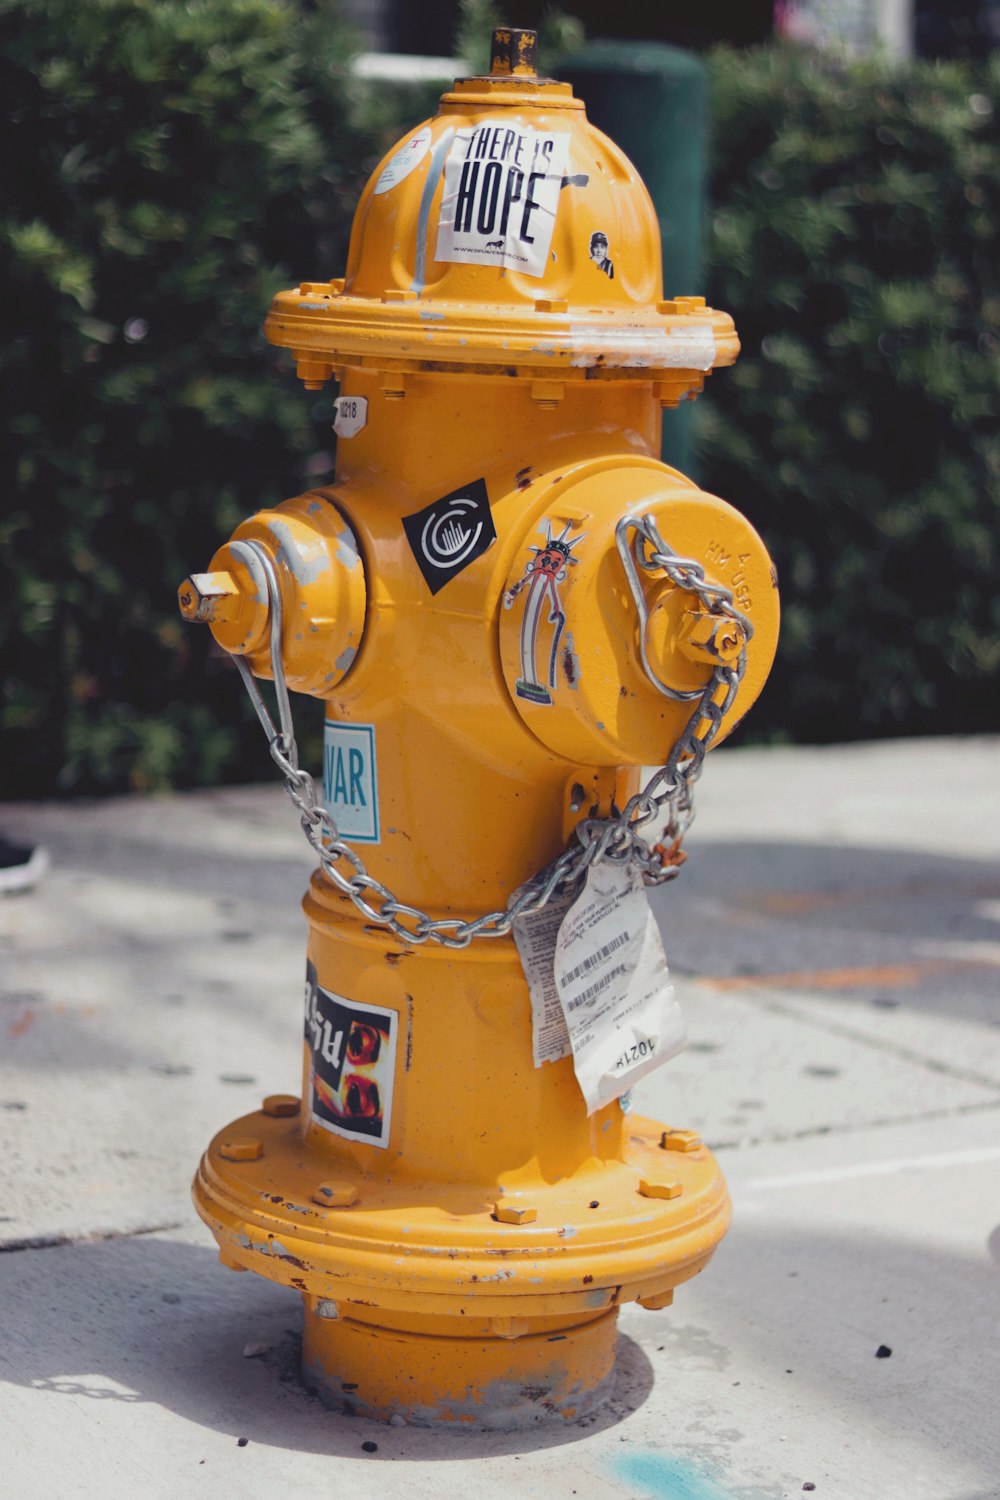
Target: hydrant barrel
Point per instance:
(508, 606)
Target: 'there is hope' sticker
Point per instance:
(501, 196)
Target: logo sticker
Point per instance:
(350, 780)
(501, 196)
(403, 161)
(451, 533)
(543, 574)
(352, 1051)
(350, 415)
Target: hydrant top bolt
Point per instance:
(281, 1105)
(660, 1188)
(514, 50)
(337, 1194)
(241, 1148)
(680, 1140)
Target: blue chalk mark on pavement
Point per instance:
(664, 1477)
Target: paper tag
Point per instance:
(501, 196)
(535, 937)
(350, 415)
(403, 161)
(613, 985)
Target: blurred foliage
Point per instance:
(854, 239)
(166, 164)
(171, 163)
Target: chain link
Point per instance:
(666, 799)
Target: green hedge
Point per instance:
(854, 237)
(170, 163)
(166, 164)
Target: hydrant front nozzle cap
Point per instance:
(514, 50)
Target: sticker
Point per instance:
(535, 938)
(599, 253)
(350, 415)
(501, 196)
(403, 161)
(451, 533)
(352, 1062)
(611, 975)
(543, 574)
(350, 780)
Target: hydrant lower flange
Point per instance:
(461, 1230)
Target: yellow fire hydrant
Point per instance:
(509, 606)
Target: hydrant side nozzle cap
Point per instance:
(514, 51)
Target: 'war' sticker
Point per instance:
(501, 196)
(352, 1052)
(350, 780)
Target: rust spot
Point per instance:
(587, 1280)
(394, 958)
(297, 1281)
(570, 666)
(348, 1385)
(554, 1338)
(523, 478)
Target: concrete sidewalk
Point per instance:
(835, 936)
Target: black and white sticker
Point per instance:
(450, 533)
(352, 1063)
(501, 196)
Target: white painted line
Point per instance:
(981, 951)
(872, 1169)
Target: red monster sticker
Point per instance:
(543, 574)
(352, 1052)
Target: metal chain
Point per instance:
(669, 792)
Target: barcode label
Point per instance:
(593, 990)
(594, 958)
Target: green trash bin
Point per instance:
(652, 100)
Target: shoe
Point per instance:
(21, 866)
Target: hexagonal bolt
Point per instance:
(660, 1187)
(281, 1105)
(509, 1213)
(656, 1300)
(206, 597)
(337, 1194)
(710, 638)
(241, 1148)
(680, 1140)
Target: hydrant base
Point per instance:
(438, 1379)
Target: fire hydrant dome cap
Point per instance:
(506, 232)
